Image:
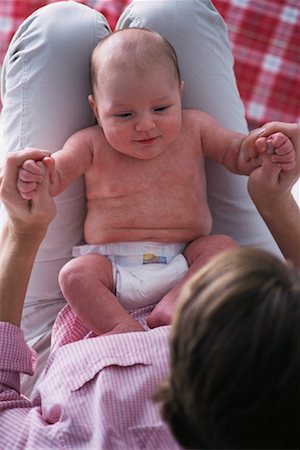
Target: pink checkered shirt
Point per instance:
(265, 37)
(96, 393)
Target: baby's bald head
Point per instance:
(132, 49)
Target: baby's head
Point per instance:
(136, 94)
(132, 49)
(234, 379)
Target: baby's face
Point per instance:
(140, 113)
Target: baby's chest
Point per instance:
(132, 176)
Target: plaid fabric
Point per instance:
(13, 12)
(265, 37)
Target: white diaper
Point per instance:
(143, 271)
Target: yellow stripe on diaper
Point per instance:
(150, 258)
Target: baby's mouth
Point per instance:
(149, 140)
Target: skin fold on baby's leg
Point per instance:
(197, 254)
(87, 284)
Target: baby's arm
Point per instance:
(65, 165)
(241, 153)
(236, 151)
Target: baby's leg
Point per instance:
(197, 254)
(87, 284)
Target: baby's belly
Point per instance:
(139, 224)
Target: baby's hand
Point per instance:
(30, 175)
(280, 149)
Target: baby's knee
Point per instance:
(219, 243)
(223, 242)
(70, 275)
(80, 274)
(208, 246)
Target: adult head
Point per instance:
(234, 379)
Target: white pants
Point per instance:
(45, 85)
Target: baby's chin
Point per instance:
(144, 149)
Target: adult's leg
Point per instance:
(199, 35)
(45, 85)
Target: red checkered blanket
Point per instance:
(265, 37)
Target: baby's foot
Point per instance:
(163, 312)
(125, 327)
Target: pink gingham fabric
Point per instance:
(96, 393)
(265, 37)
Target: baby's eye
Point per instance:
(161, 108)
(123, 115)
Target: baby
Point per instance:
(147, 228)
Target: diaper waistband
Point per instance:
(137, 252)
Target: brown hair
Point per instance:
(148, 48)
(234, 375)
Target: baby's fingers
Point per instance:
(29, 177)
(286, 163)
(30, 174)
(27, 190)
(32, 170)
(285, 154)
(34, 167)
(43, 205)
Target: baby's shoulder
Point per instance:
(194, 118)
(93, 132)
(190, 113)
(91, 136)
(194, 114)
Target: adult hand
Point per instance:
(270, 188)
(20, 239)
(270, 181)
(26, 217)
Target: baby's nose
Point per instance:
(145, 123)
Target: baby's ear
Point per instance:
(94, 107)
